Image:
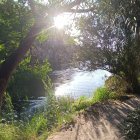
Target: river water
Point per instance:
(74, 83)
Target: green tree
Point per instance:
(15, 20)
(41, 13)
(110, 39)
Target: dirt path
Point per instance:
(102, 121)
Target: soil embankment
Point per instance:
(102, 121)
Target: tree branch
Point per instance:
(80, 10)
(68, 8)
(72, 4)
(32, 6)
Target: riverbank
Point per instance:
(97, 117)
(101, 121)
(100, 117)
(56, 113)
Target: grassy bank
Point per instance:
(56, 112)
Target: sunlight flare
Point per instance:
(60, 21)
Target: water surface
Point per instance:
(81, 83)
(73, 83)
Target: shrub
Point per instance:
(51, 111)
(132, 126)
(116, 84)
(27, 80)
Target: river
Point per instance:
(74, 83)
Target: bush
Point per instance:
(132, 126)
(102, 94)
(51, 111)
(116, 84)
(27, 80)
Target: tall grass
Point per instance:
(9, 132)
(102, 94)
(34, 127)
(82, 103)
(56, 112)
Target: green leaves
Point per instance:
(15, 20)
(43, 36)
(132, 126)
(28, 79)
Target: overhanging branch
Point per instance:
(72, 4)
(80, 10)
(69, 8)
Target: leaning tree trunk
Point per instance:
(10, 64)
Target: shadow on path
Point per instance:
(101, 121)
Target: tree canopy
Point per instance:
(109, 33)
(110, 39)
(29, 18)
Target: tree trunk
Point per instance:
(10, 64)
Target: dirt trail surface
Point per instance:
(102, 121)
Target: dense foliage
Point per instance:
(110, 39)
(15, 21)
(132, 126)
(27, 81)
(117, 84)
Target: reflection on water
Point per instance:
(82, 83)
(71, 82)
